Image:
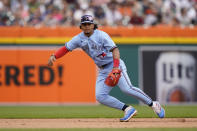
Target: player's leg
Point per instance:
(126, 86)
(102, 95)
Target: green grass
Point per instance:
(171, 111)
(106, 129)
(90, 112)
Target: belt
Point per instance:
(103, 66)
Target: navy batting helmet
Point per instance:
(87, 19)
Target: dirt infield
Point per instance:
(99, 123)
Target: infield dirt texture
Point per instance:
(100, 123)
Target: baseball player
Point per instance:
(112, 70)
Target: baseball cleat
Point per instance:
(129, 112)
(158, 109)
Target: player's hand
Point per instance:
(51, 60)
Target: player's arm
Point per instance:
(69, 46)
(115, 74)
(111, 46)
(116, 57)
(58, 54)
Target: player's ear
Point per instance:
(80, 26)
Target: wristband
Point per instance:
(116, 62)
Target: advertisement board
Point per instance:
(25, 76)
(168, 73)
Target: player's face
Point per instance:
(88, 28)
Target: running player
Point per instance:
(100, 47)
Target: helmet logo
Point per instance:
(87, 19)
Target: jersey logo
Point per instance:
(102, 55)
(96, 47)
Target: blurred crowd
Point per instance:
(106, 12)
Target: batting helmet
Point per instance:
(88, 19)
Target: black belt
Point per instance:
(103, 66)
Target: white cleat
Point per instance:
(158, 109)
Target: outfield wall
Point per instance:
(25, 77)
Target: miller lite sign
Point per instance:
(175, 77)
(168, 73)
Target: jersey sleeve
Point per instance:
(73, 43)
(108, 42)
